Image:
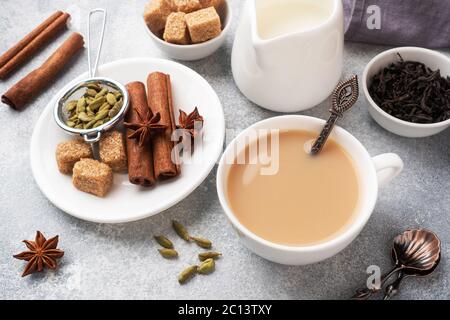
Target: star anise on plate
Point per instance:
(42, 253)
(192, 123)
(145, 127)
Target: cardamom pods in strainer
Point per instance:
(96, 107)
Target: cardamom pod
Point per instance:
(101, 114)
(94, 86)
(186, 274)
(98, 123)
(206, 267)
(168, 253)
(164, 242)
(111, 98)
(71, 105)
(202, 242)
(102, 92)
(97, 102)
(180, 230)
(84, 117)
(90, 124)
(208, 255)
(114, 110)
(118, 94)
(70, 124)
(91, 92)
(106, 105)
(81, 105)
(79, 126)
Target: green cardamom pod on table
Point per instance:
(208, 255)
(180, 230)
(164, 242)
(168, 253)
(202, 242)
(206, 267)
(187, 274)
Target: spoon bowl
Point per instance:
(416, 250)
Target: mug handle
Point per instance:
(387, 167)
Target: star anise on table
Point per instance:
(145, 127)
(192, 123)
(42, 253)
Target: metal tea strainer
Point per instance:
(92, 135)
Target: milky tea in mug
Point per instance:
(286, 196)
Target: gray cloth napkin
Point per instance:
(424, 23)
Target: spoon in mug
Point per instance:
(415, 253)
(344, 97)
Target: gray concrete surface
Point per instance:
(121, 261)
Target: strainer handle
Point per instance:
(93, 70)
(93, 141)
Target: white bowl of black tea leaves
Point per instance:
(408, 91)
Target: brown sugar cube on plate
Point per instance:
(70, 152)
(112, 151)
(203, 25)
(92, 176)
(156, 13)
(211, 3)
(176, 30)
(186, 6)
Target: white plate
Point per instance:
(127, 202)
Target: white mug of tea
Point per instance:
(294, 208)
(288, 54)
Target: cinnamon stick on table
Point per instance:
(32, 42)
(140, 158)
(32, 85)
(160, 100)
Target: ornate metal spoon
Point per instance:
(344, 97)
(422, 250)
(415, 252)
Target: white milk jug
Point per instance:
(287, 54)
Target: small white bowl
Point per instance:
(191, 52)
(432, 59)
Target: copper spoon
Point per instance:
(422, 251)
(343, 98)
(414, 252)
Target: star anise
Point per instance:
(192, 123)
(145, 127)
(42, 252)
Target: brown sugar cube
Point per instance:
(203, 25)
(92, 176)
(112, 151)
(211, 3)
(70, 152)
(186, 6)
(156, 13)
(176, 30)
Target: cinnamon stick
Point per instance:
(140, 158)
(160, 100)
(31, 43)
(32, 85)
